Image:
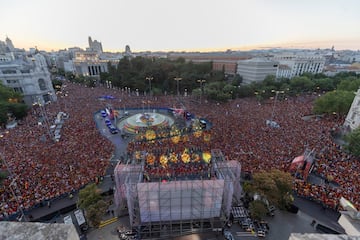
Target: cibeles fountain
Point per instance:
(139, 121)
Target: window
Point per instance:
(353, 115)
(42, 84)
(46, 98)
(9, 71)
(18, 89)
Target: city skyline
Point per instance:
(161, 25)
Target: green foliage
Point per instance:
(245, 91)
(237, 80)
(132, 73)
(57, 84)
(338, 102)
(19, 110)
(275, 185)
(324, 84)
(96, 211)
(3, 175)
(353, 140)
(88, 196)
(7, 93)
(3, 112)
(60, 71)
(70, 76)
(257, 209)
(349, 84)
(219, 91)
(301, 84)
(10, 104)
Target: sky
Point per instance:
(181, 25)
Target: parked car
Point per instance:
(108, 122)
(271, 210)
(103, 113)
(264, 225)
(228, 235)
(260, 233)
(113, 129)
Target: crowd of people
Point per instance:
(240, 131)
(42, 169)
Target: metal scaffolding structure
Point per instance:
(177, 207)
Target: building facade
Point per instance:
(95, 46)
(88, 63)
(299, 64)
(220, 61)
(352, 120)
(26, 74)
(256, 69)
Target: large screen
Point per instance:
(180, 200)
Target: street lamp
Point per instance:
(276, 96)
(149, 79)
(201, 81)
(177, 79)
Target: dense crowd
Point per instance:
(43, 169)
(240, 131)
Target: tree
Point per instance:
(274, 185)
(353, 140)
(237, 80)
(301, 84)
(7, 93)
(245, 91)
(219, 91)
(349, 84)
(3, 113)
(96, 211)
(88, 196)
(257, 209)
(324, 84)
(19, 110)
(10, 104)
(338, 102)
(57, 84)
(70, 76)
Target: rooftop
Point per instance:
(37, 231)
(316, 236)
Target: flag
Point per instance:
(297, 162)
(309, 160)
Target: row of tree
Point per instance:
(159, 74)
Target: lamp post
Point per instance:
(201, 81)
(177, 79)
(149, 79)
(276, 96)
(41, 104)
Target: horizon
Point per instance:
(285, 46)
(185, 25)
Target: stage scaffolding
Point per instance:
(171, 208)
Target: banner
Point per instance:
(297, 162)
